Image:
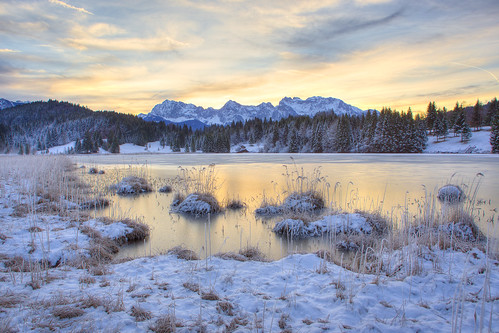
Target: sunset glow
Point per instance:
(130, 55)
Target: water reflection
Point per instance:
(389, 183)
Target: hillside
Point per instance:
(42, 125)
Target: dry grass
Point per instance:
(231, 256)
(183, 253)
(164, 324)
(9, 299)
(67, 311)
(19, 264)
(6, 326)
(99, 270)
(197, 180)
(235, 204)
(86, 279)
(132, 185)
(209, 295)
(97, 203)
(166, 189)
(140, 231)
(225, 307)
(194, 287)
(201, 182)
(252, 253)
(140, 314)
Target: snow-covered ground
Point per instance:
(410, 288)
(479, 143)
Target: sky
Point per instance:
(130, 55)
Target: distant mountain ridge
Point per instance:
(5, 103)
(179, 112)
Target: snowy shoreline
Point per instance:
(413, 287)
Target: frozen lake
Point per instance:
(389, 182)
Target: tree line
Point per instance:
(38, 126)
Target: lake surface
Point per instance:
(392, 183)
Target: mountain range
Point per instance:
(5, 103)
(195, 116)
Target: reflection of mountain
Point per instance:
(178, 112)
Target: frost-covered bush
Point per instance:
(303, 202)
(165, 189)
(132, 185)
(196, 204)
(451, 194)
(308, 202)
(342, 223)
(235, 204)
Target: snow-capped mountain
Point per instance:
(5, 103)
(178, 112)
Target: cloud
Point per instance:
(62, 3)
(156, 44)
(328, 30)
(8, 51)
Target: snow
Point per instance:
(418, 289)
(64, 149)
(151, 147)
(479, 143)
(341, 223)
(193, 204)
(251, 148)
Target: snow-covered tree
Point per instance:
(494, 134)
(476, 117)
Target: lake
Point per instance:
(395, 184)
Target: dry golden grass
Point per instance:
(67, 311)
(164, 324)
(139, 313)
(183, 253)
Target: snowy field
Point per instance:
(479, 144)
(52, 280)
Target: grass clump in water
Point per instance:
(196, 194)
(304, 193)
(132, 185)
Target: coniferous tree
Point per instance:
(293, 142)
(343, 139)
(466, 133)
(317, 136)
(494, 134)
(476, 117)
(421, 134)
(492, 110)
(460, 122)
(78, 148)
(440, 127)
(193, 145)
(431, 116)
